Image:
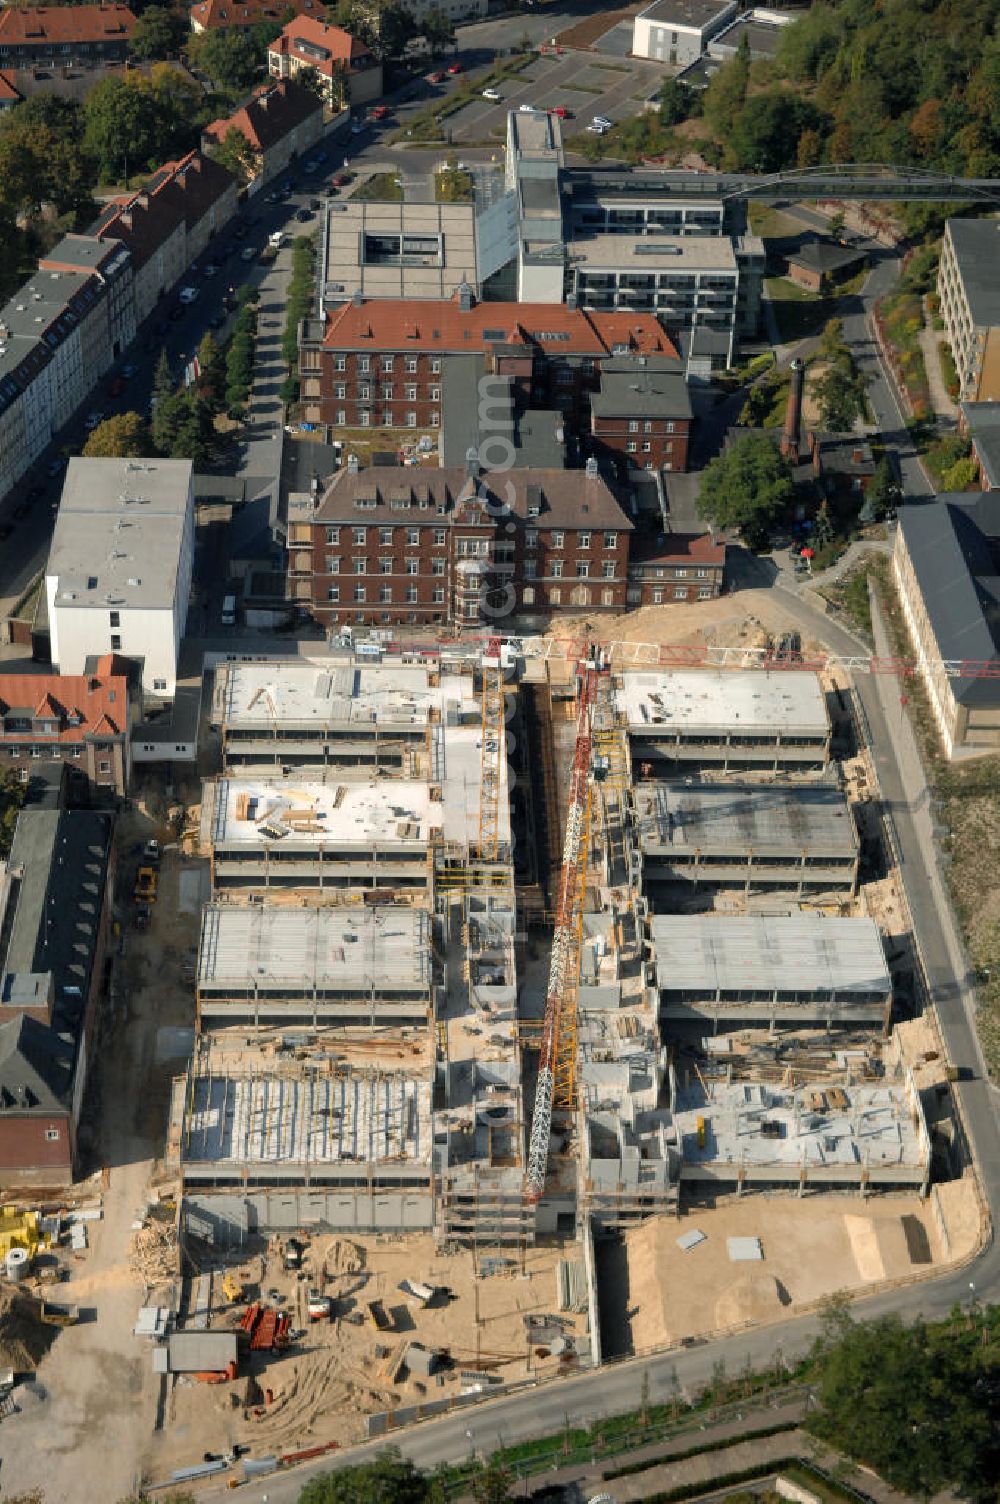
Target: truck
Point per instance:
(145, 885)
(61, 1315)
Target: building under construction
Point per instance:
(740, 722)
(795, 838)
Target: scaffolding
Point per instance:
(557, 1066)
(491, 754)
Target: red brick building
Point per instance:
(453, 547)
(641, 417)
(680, 567)
(380, 363)
(58, 36)
(83, 720)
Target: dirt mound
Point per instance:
(755, 1297)
(343, 1257)
(24, 1337)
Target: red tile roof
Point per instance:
(100, 703)
(683, 548)
(441, 325)
(8, 92)
(216, 15)
(340, 48)
(34, 25)
(274, 110)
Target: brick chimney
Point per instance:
(791, 434)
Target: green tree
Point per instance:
(749, 486)
(841, 393)
(314, 81)
(960, 476)
(396, 30)
(231, 58)
(120, 126)
(163, 382)
(493, 1484)
(920, 1405)
(212, 381)
(12, 793)
(158, 33)
(123, 434)
(764, 135)
(235, 153)
(676, 102)
(389, 1479)
(438, 31)
(883, 493)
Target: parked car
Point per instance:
(562, 112)
(380, 112)
(340, 179)
(456, 68)
(603, 120)
(435, 78)
(93, 420)
(526, 109)
(248, 253)
(357, 127)
(303, 214)
(189, 294)
(211, 270)
(598, 130)
(492, 94)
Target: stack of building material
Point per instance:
(571, 1285)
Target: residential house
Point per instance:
(111, 264)
(946, 564)
(118, 577)
(56, 36)
(969, 291)
(676, 568)
(56, 913)
(348, 70)
(242, 15)
(820, 265)
(280, 122)
(457, 546)
(83, 721)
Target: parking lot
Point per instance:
(578, 82)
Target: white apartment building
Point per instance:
(969, 288)
(678, 31)
(119, 572)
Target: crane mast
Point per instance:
(557, 1062)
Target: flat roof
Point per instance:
(695, 13)
(327, 693)
(274, 1117)
(382, 949)
(804, 953)
(762, 35)
(534, 131)
(435, 272)
(766, 818)
(118, 533)
(719, 700)
(653, 253)
(393, 812)
(872, 1126)
(976, 244)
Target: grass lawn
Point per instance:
(453, 187)
(383, 186)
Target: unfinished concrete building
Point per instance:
(339, 714)
(313, 968)
(788, 970)
(761, 838)
(752, 721)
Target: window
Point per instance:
(385, 594)
(607, 597)
(530, 569)
(582, 569)
(646, 446)
(411, 363)
(608, 569)
(702, 574)
(333, 535)
(531, 537)
(340, 364)
(681, 593)
(359, 592)
(116, 619)
(558, 539)
(52, 1135)
(387, 394)
(435, 394)
(387, 419)
(435, 420)
(116, 641)
(630, 447)
(364, 393)
(680, 574)
(437, 566)
(340, 417)
(439, 537)
(528, 596)
(333, 593)
(705, 593)
(633, 426)
(412, 537)
(411, 394)
(333, 565)
(341, 393)
(658, 596)
(361, 566)
(104, 766)
(411, 419)
(670, 427)
(647, 427)
(413, 566)
(364, 364)
(557, 568)
(385, 537)
(610, 540)
(555, 596)
(385, 566)
(366, 418)
(435, 367)
(387, 362)
(159, 683)
(360, 537)
(412, 594)
(583, 540)
(438, 596)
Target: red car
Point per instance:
(380, 112)
(435, 78)
(562, 112)
(456, 68)
(339, 179)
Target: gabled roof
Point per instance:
(322, 47)
(9, 93)
(216, 15)
(36, 1068)
(681, 548)
(273, 112)
(38, 25)
(438, 324)
(101, 703)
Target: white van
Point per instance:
(229, 611)
(277, 239)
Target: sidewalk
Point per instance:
(944, 406)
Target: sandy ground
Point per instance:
(84, 1439)
(744, 619)
(332, 1376)
(812, 1248)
